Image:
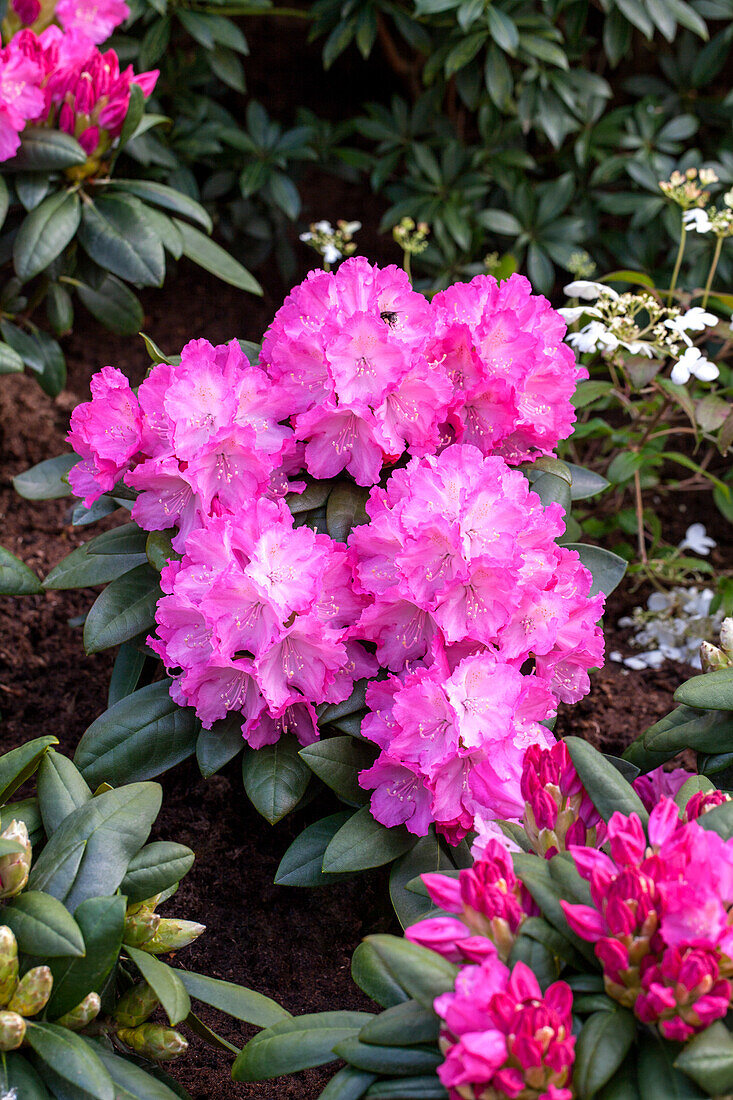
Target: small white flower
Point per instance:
(574, 313)
(640, 347)
(305, 237)
(331, 254)
(588, 291)
(694, 320)
(693, 362)
(698, 540)
(324, 227)
(697, 219)
(593, 336)
(350, 228)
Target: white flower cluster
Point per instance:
(332, 243)
(640, 325)
(673, 624)
(712, 219)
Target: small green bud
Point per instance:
(134, 1007)
(154, 1041)
(172, 935)
(12, 1030)
(15, 867)
(712, 658)
(8, 963)
(86, 1011)
(32, 991)
(140, 927)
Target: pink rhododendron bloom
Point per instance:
(491, 905)
(349, 350)
(83, 91)
(242, 626)
(94, 18)
(106, 432)
(502, 1037)
(661, 918)
(557, 809)
(467, 586)
(659, 783)
(21, 98)
(513, 376)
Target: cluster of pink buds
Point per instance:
(661, 918)
(61, 80)
(702, 802)
(490, 904)
(502, 1037)
(557, 809)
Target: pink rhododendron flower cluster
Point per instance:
(199, 439)
(490, 904)
(255, 618)
(374, 370)
(661, 919)
(558, 811)
(60, 79)
(513, 376)
(96, 19)
(503, 1037)
(467, 584)
(349, 350)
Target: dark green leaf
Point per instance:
(275, 778)
(338, 761)
(295, 1044)
(21, 1076)
(44, 150)
(43, 926)
(398, 1061)
(236, 1000)
(658, 1079)
(139, 737)
(10, 361)
(61, 789)
(19, 764)
(161, 195)
(711, 691)
(407, 1023)
(83, 568)
(155, 868)
(217, 746)
(167, 983)
(608, 790)
(362, 842)
(708, 1059)
(209, 255)
(427, 855)
(102, 922)
(115, 234)
(89, 853)
(71, 1058)
(603, 1043)
(423, 974)
(125, 673)
(132, 1081)
(410, 1088)
(302, 864)
(114, 305)
(16, 579)
(124, 609)
(45, 481)
(45, 233)
(374, 977)
(345, 509)
(347, 1084)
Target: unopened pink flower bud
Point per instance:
(27, 11)
(703, 801)
(89, 140)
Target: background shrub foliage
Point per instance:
(527, 127)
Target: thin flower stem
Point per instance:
(677, 264)
(711, 273)
(640, 517)
(407, 265)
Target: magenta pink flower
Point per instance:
(557, 810)
(490, 904)
(659, 783)
(513, 376)
(661, 918)
(94, 18)
(21, 98)
(105, 432)
(502, 1037)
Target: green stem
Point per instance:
(677, 264)
(711, 273)
(406, 264)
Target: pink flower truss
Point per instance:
(348, 349)
(490, 904)
(501, 1036)
(558, 811)
(467, 584)
(21, 98)
(254, 620)
(84, 93)
(199, 439)
(661, 919)
(94, 18)
(513, 375)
